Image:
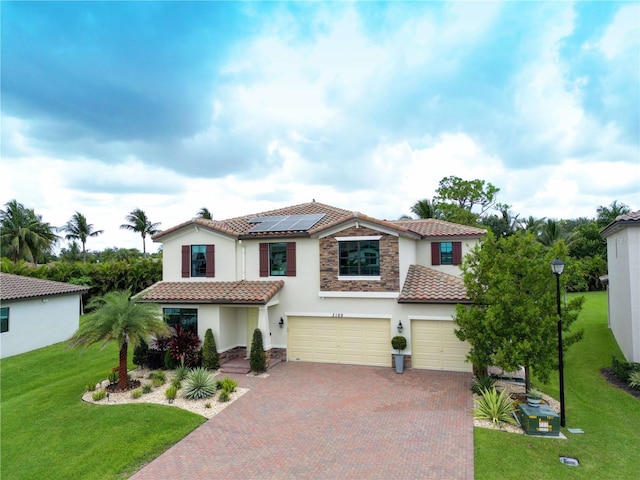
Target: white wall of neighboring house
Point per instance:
(623, 254)
(39, 322)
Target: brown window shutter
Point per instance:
(264, 259)
(211, 260)
(291, 259)
(435, 253)
(186, 261)
(457, 253)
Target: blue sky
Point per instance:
(244, 107)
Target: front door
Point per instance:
(252, 324)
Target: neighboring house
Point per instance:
(623, 256)
(323, 284)
(35, 313)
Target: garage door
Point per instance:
(355, 341)
(434, 346)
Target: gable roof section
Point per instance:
(431, 227)
(333, 217)
(426, 285)
(13, 287)
(240, 292)
(628, 220)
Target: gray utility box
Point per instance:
(540, 420)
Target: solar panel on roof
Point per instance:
(286, 223)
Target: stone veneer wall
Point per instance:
(236, 352)
(389, 264)
(276, 354)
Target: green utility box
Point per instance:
(541, 420)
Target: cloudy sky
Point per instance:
(245, 107)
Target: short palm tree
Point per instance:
(118, 318)
(205, 213)
(139, 222)
(78, 229)
(24, 235)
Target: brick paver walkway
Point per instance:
(319, 421)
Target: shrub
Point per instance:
(171, 393)
(91, 386)
(482, 382)
(257, 359)
(113, 375)
(494, 406)
(623, 369)
(136, 393)
(147, 388)
(399, 342)
(210, 357)
(634, 379)
(99, 395)
(158, 378)
(207, 405)
(228, 384)
(176, 382)
(224, 396)
(199, 384)
(183, 345)
(141, 354)
(169, 362)
(181, 371)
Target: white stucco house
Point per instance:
(623, 256)
(322, 283)
(35, 313)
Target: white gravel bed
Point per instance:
(156, 396)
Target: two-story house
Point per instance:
(322, 283)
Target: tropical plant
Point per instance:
(425, 208)
(257, 359)
(99, 395)
(140, 223)
(224, 396)
(534, 393)
(608, 214)
(199, 384)
(550, 233)
(634, 379)
(136, 393)
(116, 318)
(228, 384)
(482, 382)
(210, 357)
(494, 406)
(171, 392)
(79, 229)
(183, 345)
(182, 371)
(158, 378)
(24, 235)
(204, 213)
(147, 388)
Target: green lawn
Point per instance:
(48, 432)
(610, 418)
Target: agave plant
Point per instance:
(494, 406)
(199, 384)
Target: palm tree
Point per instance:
(606, 215)
(24, 235)
(425, 208)
(78, 229)
(205, 213)
(138, 222)
(532, 224)
(551, 233)
(118, 318)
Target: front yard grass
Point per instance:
(48, 432)
(610, 417)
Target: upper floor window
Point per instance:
(198, 261)
(446, 253)
(359, 257)
(4, 319)
(278, 259)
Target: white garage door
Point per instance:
(355, 341)
(434, 346)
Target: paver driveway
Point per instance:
(319, 421)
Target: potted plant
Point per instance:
(399, 343)
(534, 397)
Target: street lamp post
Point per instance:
(557, 266)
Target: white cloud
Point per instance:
(623, 32)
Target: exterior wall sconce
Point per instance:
(281, 322)
(400, 327)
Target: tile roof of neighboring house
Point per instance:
(333, 217)
(431, 227)
(14, 287)
(628, 220)
(426, 285)
(240, 292)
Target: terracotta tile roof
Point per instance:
(13, 287)
(431, 227)
(242, 292)
(426, 285)
(628, 220)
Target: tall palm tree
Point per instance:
(118, 318)
(532, 224)
(138, 222)
(551, 233)
(425, 208)
(205, 213)
(606, 215)
(78, 229)
(24, 236)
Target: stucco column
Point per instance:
(263, 325)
